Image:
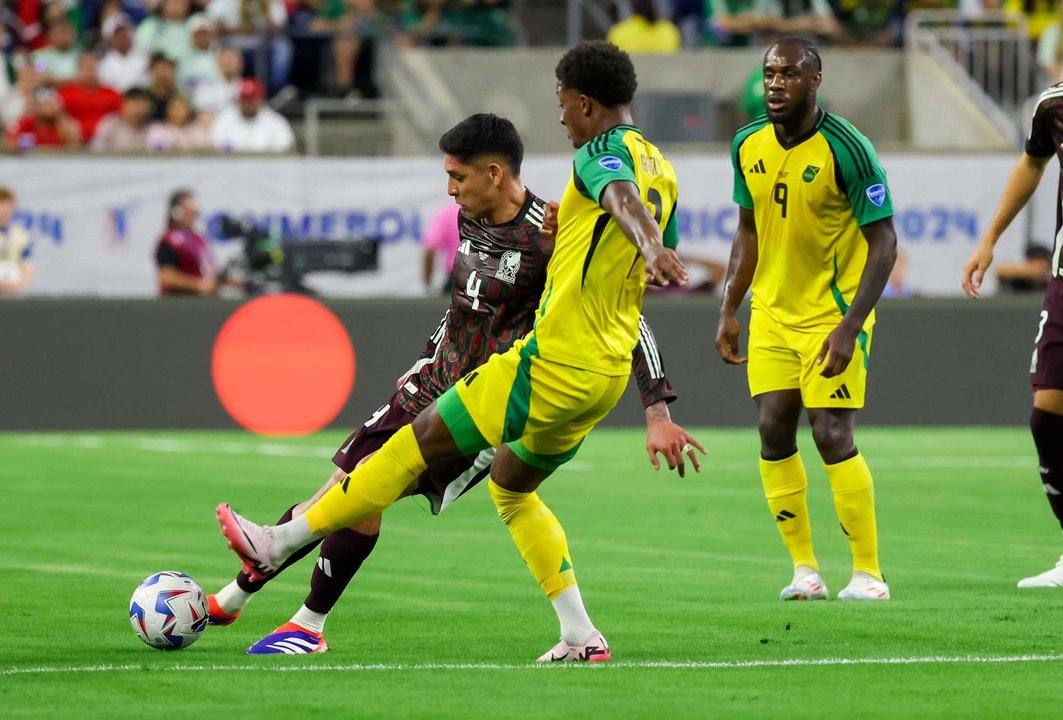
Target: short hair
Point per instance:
(807, 48)
(137, 93)
(599, 70)
(176, 198)
(158, 57)
(6, 194)
(484, 134)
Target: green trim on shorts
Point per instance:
(543, 462)
(460, 423)
(839, 299)
(520, 394)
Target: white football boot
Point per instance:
(806, 585)
(1049, 578)
(865, 587)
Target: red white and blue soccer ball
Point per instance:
(168, 610)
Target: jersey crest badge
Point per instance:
(877, 194)
(610, 162)
(810, 173)
(508, 266)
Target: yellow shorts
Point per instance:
(542, 410)
(781, 358)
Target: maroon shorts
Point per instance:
(1046, 366)
(442, 483)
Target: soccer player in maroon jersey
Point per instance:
(1046, 365)
(498, 277)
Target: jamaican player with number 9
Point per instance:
(816, 244)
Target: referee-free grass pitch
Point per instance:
(672, 570)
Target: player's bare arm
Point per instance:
(1023, 181)
(839, 345)
(740, 270)
(621, 200)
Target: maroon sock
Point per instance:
(253, 586)
(342, 553)
(1047, 429)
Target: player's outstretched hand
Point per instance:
(670, 440)
(974, 270)
(549, 228)
(837, 350)
(727, 340)
(665, 268)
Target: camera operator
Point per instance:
(183, 257)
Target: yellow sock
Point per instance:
(854, 499)
(539, 537)
(372, 487)
(786, 487)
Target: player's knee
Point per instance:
(370, 526)
(776, 442)
(833, 440)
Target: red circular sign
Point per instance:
(283, 365)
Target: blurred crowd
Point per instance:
(203, 75)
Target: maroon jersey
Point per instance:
(498, 278)
(186, 251)
(1046, 140)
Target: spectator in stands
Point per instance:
(164, 32)
(1040, 14)
(181, 131)
(1031, 274)
(353, 25)
(423, 23)
(16, 265)
(731, 23)
(246, 24)
(97, 12)
(201, 62)
(1050, 49)
(86, 99)
(128, 130)
(877, 23)
(12, 83)
(797, 17)
(252, 126)
(162, 84)
(898, 285)
(46, 126)
(123, 65)
(439, 248)
(58, 61)
(183, 258)
(215, 94)
(644, 31)
(486, 23)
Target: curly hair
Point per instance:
(599, 70)
(484, 134)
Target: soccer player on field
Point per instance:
(498, 277)
(1046, 365)
(816, 244)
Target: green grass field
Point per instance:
(444, 620)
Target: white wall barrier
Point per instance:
(95, 222)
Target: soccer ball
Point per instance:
(168, 610)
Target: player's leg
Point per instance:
(1046, 424)
(542, 543)
(774, 378)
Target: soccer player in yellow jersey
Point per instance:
(816, 244)
(539, 400)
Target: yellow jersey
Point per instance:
(588, 316)
(809, 199)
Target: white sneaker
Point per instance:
(806, 585)
(865, 587)
(1049, 578)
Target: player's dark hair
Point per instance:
(599, 70)
(173, 207)
(807, 47)
(484, 134)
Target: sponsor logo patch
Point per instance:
(877, 194)
(609, 162)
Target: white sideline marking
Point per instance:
(662, 664)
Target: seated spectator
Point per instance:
(181, 131)
(354, 25)
(1050, 49)
(201, 63)
(246, 25)
(876, 23)
(46, 126)
(162, 84)
(797, 17)
(12, 97)
(423, 22)
(486, 23)
(252, 126)
(58, 61)
(16, 266)
(214, 95)
(97, 12)
(123, 65)
(645, 32)
(128, 130)
(86, 99)
(731, 23)
(164, 32)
